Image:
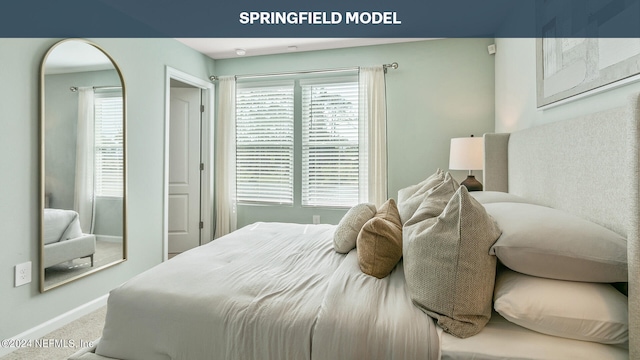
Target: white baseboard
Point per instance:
(58, 322)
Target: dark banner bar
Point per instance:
(327, 18)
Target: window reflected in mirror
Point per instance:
(83, 163)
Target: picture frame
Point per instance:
(572, 58)
(569, 67)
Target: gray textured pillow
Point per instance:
(541, 241)
(346, 234)
(432, 206)
(448, 269)
(409, 198)
(404, 194)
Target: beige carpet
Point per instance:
(62, 343)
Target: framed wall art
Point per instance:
(572, 59)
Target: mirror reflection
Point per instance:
(83, 163)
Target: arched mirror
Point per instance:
(82, 163)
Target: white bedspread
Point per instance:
(363, 317)
(267, 291)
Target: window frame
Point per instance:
(99, 149)
(290, 179)
(310, 198)
(297, 172)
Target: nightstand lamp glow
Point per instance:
(467, 154)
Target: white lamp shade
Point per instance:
(466, 153)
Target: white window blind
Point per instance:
(109, 154)
(330, 154)
(264, 143)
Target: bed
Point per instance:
(64, 239)
(289, 291)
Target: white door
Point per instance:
(184, 169)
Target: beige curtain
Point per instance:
(373, 135)
(83, 202)
(225, 158)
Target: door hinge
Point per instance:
(201, 166)
(201, 224)
(201, 108)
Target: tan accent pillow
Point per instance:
(448, 269)
(379, 243)
(409, 198)
(344, 238)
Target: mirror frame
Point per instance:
(41, 164)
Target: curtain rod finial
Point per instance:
(393, 65)
(213, 78)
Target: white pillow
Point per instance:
(346, 234)
(541, 241)
(575, 310)
(487, 197)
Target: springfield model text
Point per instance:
(318, 18)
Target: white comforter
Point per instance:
(267, 291)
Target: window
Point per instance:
(109, 140)
(330, 161)
(264, 143)
(298, 141)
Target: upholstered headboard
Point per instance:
(587, 166)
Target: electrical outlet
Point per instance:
(23, 273)
(316, 219)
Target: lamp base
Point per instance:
(472, 184)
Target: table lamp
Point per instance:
(467, 154)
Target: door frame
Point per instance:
(206, 155)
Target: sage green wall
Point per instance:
(142, 62)
(442, 89)
(516, 90)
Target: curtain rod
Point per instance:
(75, 88)
(393, 65)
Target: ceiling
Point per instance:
(74, 56)
(226, 48)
